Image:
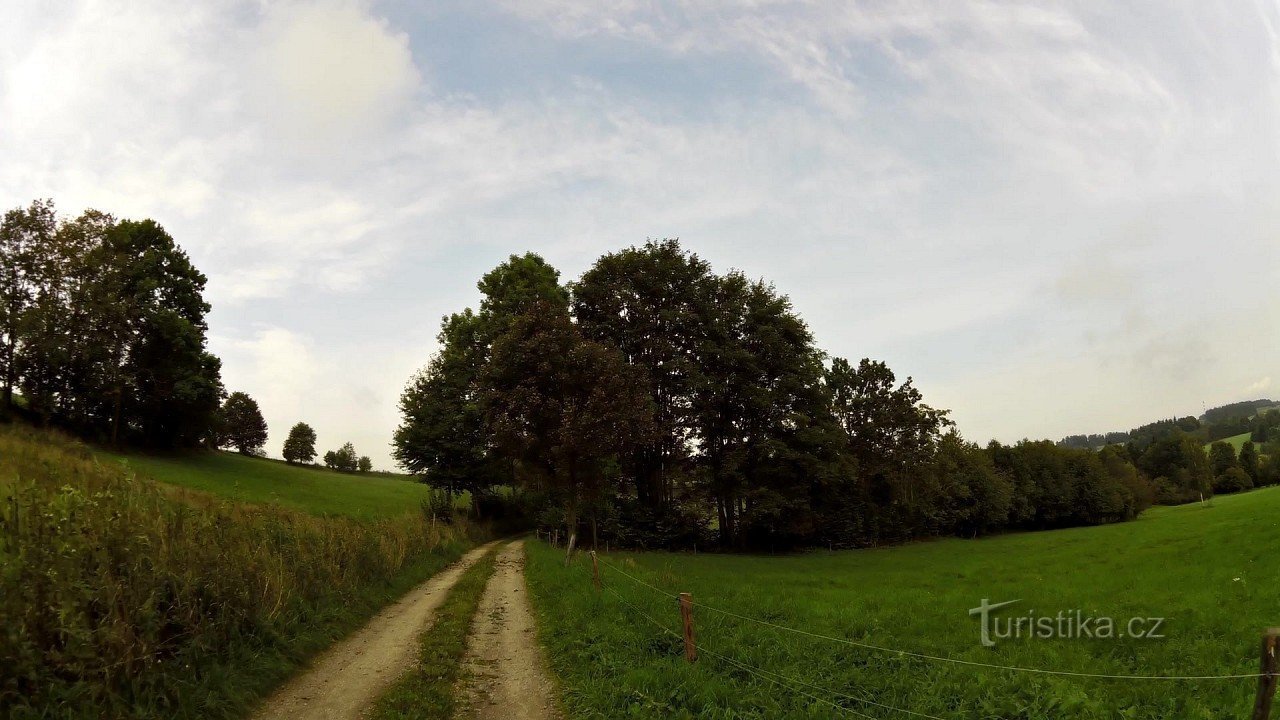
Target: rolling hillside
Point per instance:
(256, 480)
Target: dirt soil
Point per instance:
(344, 681)
(505, 671)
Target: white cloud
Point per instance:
(1075, 201)
(1260, 385)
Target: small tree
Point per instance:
(1222, 457)
(301, 444)
(243, 427)
(365, 464)
(343, 459)
(1249, 461)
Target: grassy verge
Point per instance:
(1208, 570)
(125, 598)
(428, 690)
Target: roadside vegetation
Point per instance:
(427, 692)
(122, 597)
(1206, 568)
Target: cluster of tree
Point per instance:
(1233, 472)
(1264, 427)
(1094, 441)
(344, 459)
(102, 328)
(661, 403)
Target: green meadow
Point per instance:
(1235, 441)
(1208, 570)
(309, 488)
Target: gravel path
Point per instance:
(344, 681)
(507, 676)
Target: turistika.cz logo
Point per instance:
(1064, 625)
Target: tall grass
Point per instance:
(120, 597)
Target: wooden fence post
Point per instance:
(1267, 680)
(686, 614)
(595, 570)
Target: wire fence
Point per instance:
(840, 700)
(937, 658)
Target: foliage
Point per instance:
(343, 459)
(1179, 468)
(1187, 564)
(1234, 479)
(427, 690)
(443, 436)
(1222, 457)
(1249, 461)
(654, 400)
(364, 464)
(123, 598)
(241, 426)
(562, 407)
(300, 446)
(653, 304)
(103, 327)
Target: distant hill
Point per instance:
(1250, 418)
(1244, 409)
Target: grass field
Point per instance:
(1210, 571)
(1236, 441)
(256, 480)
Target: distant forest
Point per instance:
(1260, 418)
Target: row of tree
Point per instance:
(660, 403)
(240, 425)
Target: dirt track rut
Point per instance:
(505, 669)
(344, 681)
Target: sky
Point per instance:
(1057, 218)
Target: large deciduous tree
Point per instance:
(241, 425)
(300, 446)
(563, 407)
(652, 303)
(442, 435)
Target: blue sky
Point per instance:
(1058, 219)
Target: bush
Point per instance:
(1233, 480)
(125, 598)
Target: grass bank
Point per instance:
(427, 691)
(1208, 570)
(126, 598)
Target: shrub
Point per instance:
(1233, 480)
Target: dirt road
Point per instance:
(347, 678)
(507, 673)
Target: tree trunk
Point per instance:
(115, 416)
(594, 536)
(8, 374)
(571, 519)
